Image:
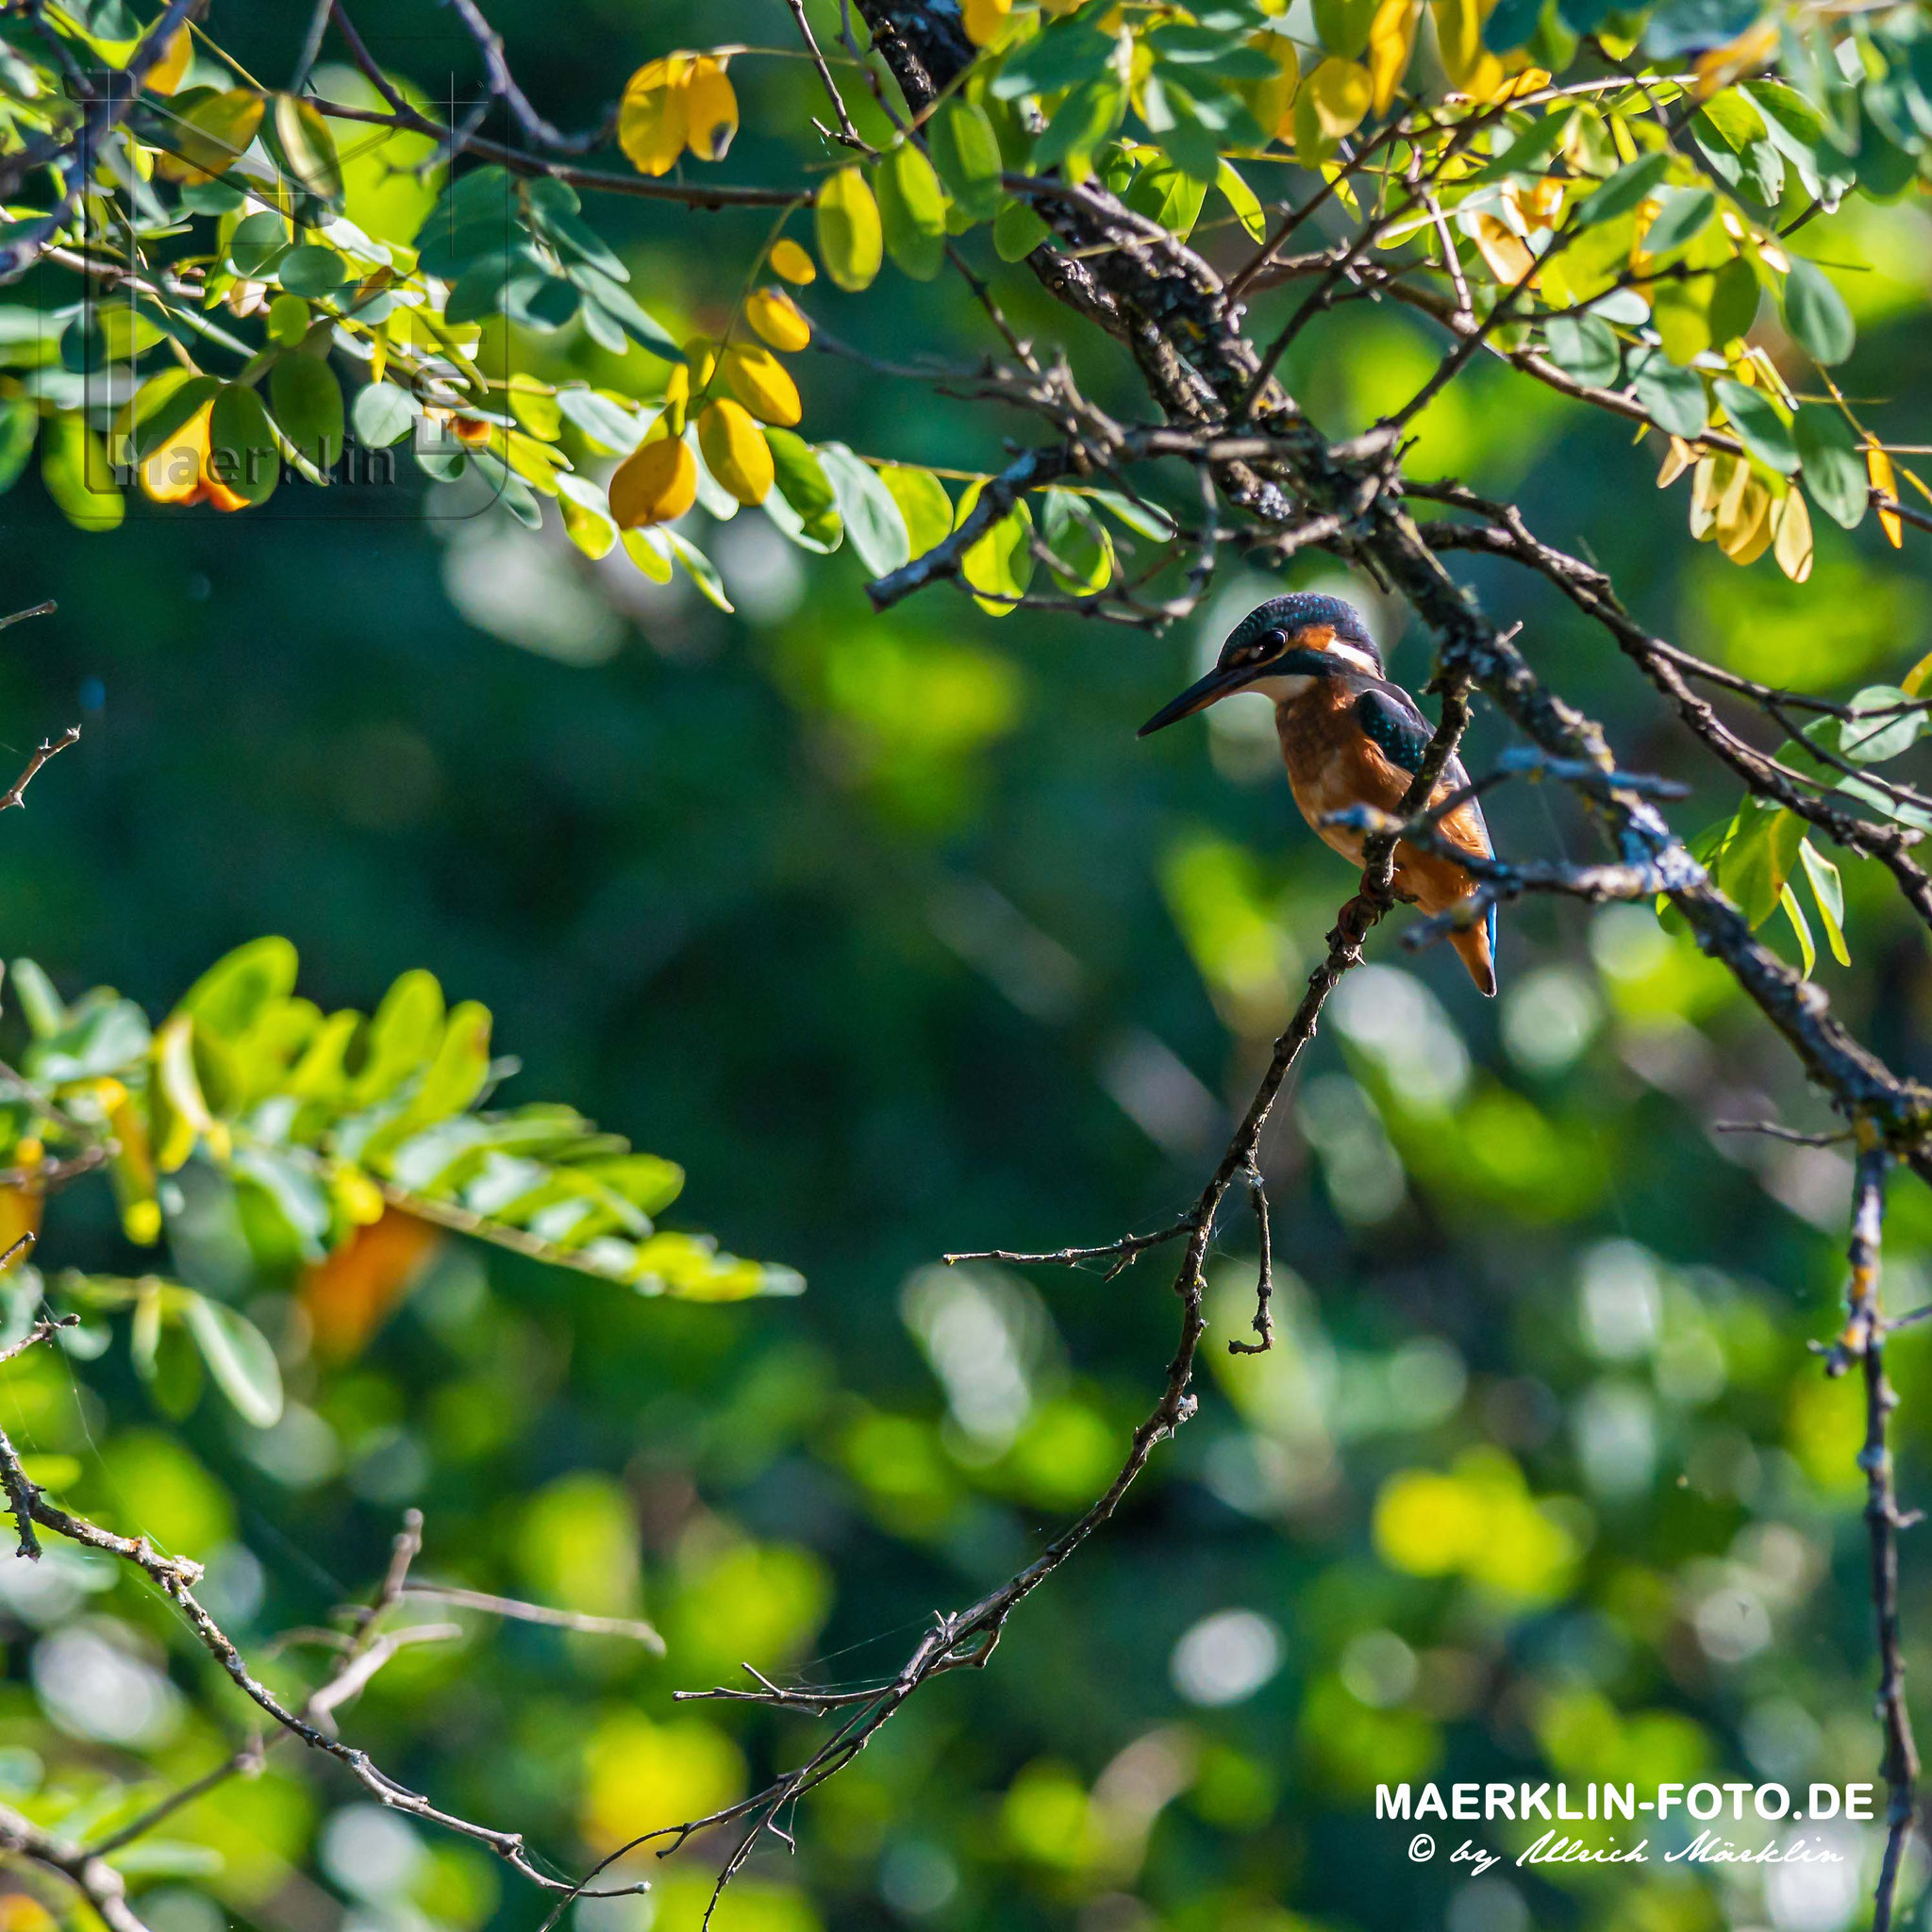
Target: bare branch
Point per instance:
(634, 1628)
(1863, 1341)
(15, 794)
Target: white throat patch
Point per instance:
(1354, 655)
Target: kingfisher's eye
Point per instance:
(1274, 640)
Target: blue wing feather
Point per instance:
(1391, 720)
(1393, 724)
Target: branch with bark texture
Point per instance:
(364, 1653)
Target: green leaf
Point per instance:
(922, 502)
(1510, 23)
(1682, 216)
(1816, 315)
(618, 302)
(259, 241)
(1343, 26)
(233, 995)
(555, 208)
(1631, 183)
(1016, 231)
(308, 147)
(703, 572)
(998, 565)
(1833, 465)
(307, 403)
(1673, 396)
(1733, 298)
(312, 271)
(239, 1358)
(1529, 150)
(1081, 123)
(73, 469)
(403, 1036)
(1168, 195)
(1759, 858)
(1584, 347)
(1828, 890)
(806, 491)
(966, 152)
(606, 424)
(1759, 426)
(1060, 58)
(1080, 542)
(1144, 519)
(912, 207)
(40, 1006)
(1869, 739)
(383, 414)
(847, 228)
(19, 423)
(1794, 912)
(1242, 200)
(873, 525)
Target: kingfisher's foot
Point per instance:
(1353, 922)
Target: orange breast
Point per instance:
(1333, 764)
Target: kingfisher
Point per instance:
(1349, 736)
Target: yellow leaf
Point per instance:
(984, 18)
(170, 70)
(1330, 105)
(777, 318)
(677, 397)
(1539, 205)
(1271, 101)
(1913, 682)
(1680, 459)
(1392, 40)
(651, 124)
(211, 137)
(1504, 249)
(1791, 542)
(172, 473)
(1743, 522)
(1878, 468)
(1469, 65)
(1710, 484)
(850, 236)
(736, 452)
(1718, 67)
(710, 109)
(657, 483)
(181, 1113)
(762, 384)
(790, 260)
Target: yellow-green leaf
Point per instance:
(846, 224)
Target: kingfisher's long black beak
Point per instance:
(1203, 693)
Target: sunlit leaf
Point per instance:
(1827, 890)
(239, 1358)
(873, 523)
(851, 240)
(912, 209)
(1816, 314)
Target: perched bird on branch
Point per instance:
(1350, 737)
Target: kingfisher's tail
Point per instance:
(1477, 946)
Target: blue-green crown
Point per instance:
(1304, 611)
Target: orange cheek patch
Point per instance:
(1316, 637)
